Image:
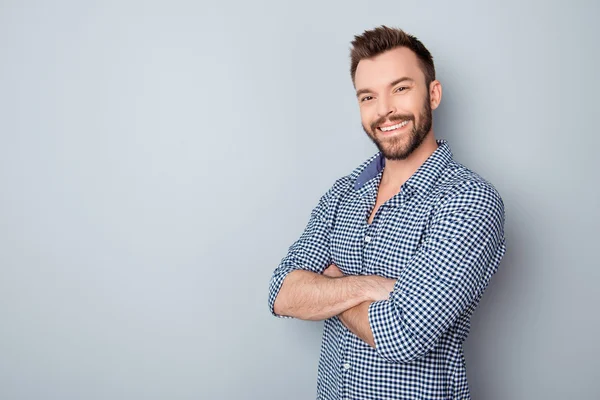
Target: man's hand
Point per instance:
(379, 288)
(333, 271)
(356, 319)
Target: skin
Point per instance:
(381, 103)
(391, 88)
(311, 296)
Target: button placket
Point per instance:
(368, 239)
(366, 247)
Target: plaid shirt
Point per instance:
(442, 238)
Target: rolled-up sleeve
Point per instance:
(461, 252)
(310, 252)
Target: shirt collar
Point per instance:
(423, 178)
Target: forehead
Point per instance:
(386, 67)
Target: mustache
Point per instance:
(392, 118)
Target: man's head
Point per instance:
(394, 78)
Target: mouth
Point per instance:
(389, 129)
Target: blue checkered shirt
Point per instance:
(442, 238)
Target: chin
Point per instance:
(396, 155)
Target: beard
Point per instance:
(401, 146)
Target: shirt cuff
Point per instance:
(275, 286)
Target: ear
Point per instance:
(435, 94)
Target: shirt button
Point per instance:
(346, 366)
(367, 239)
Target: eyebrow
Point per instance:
(393, 83)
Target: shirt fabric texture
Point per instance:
(442, 238)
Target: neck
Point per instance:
(396, 172)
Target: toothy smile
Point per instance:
(393, 127)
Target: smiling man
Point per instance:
(397, 254)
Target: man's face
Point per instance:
(394, 102)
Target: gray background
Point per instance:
(158, 158)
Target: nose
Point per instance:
(385, 107)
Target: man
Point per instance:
(396, 255)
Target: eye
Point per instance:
(366, 98)
(401, 89)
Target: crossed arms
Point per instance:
(402, 319)
(311, 296)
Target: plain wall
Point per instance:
(158, 158)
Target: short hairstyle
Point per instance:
(381, 39)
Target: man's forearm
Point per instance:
(311, 296)
(356, 319)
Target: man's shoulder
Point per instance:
(460, 182)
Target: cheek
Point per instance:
(417, 103)
(366, 122)
(407, 105)
(367, 116)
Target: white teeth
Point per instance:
(391, 128)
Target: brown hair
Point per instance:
(381, 39)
